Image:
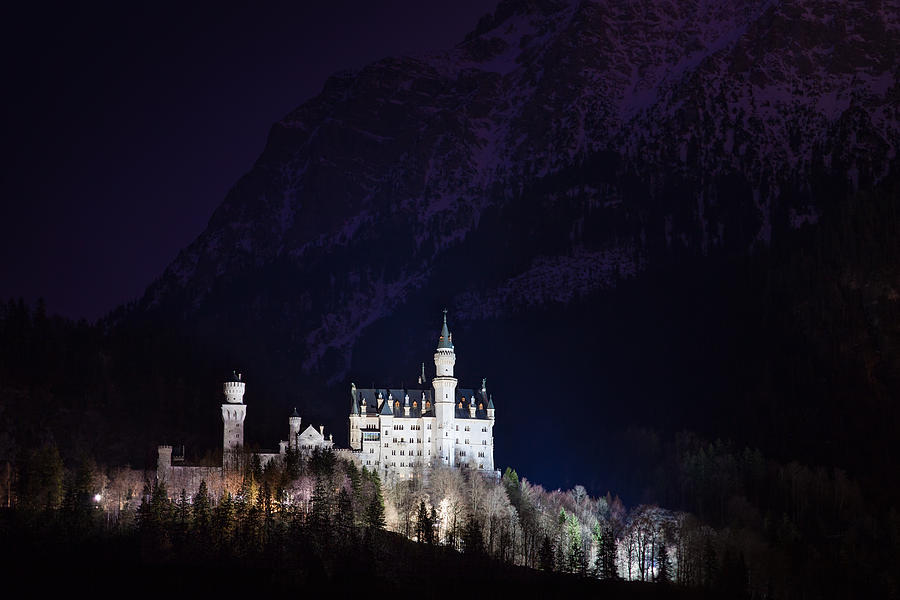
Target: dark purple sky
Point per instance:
(123, 128)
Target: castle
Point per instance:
(399, 432)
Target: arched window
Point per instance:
(428, 405)
(415, 404)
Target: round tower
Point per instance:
(234, 389)
(233, 414)
(293, 428)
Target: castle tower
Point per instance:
(444, 384)
(293, 428)
(163, 463)
(233, 414)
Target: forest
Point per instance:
(744, 527)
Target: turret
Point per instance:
(490, 407)
(444, 357)
(354, 400)
(293, 428)
(234, 389)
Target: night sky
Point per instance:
(125, 126)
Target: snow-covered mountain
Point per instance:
(561, 148)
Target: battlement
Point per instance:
(234, 391)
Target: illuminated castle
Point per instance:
(401, 431)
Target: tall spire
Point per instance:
(446, 340)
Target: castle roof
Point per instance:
(393, 401)
(445, 341)
(369, 397)
(467, 397)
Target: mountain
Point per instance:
(615, 201)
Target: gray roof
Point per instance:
(445, 341)
(467, 397)
(368, 397)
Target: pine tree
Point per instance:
(320, 517)
(606, 554)
(201, 511)
(374, 519)
(182, 518)
(224, 518)
(664, 574)
(422, 524)
(473, 543)
(546, 555)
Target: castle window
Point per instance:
(484, 442)
(480, 406)
(403, 453)
(457, 427)
(428, 405)
(467, 427)
(484, 429)
(415, 404)
(481, 454)
(428, 426)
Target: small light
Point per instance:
(97, 497)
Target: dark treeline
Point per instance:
(317, 521)
(738, 526)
